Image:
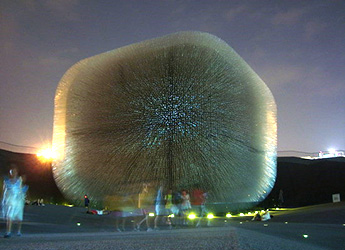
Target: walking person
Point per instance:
(159, 207)
(145, 204)
(185, 205)
(13, 201)
(170, 208)
(87, 202)
(198, 203)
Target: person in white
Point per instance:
(13, 201)
(266, 216)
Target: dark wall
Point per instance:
(38, 175)
(308, 182)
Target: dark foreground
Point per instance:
(55, 227)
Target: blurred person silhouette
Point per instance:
(86, 202)
(257, 216)
(199, 203)
(280, 198)
(38, 202)
(145, 204)
(13, 200)
(126, 208)
(265, 216)
(159, 207)
(185, 205)
(170, 208)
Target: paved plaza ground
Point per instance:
(60, 227)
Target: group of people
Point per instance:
(262, 216)
(167, 206)
(171, 208)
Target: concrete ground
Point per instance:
(60, 227)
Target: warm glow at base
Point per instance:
(151, 214)
(191, 216)
(241, 214)
(46, 154)
(210, 216)
(228, 215)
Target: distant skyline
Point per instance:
(296, 47)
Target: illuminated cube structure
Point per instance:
(180, 110)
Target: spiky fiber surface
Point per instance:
(181, 110)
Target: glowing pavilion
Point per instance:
(182, 110)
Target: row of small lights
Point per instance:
(193, 216)
(210, 216)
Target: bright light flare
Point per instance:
(191, 216)
(210, 216)
(46, 154)
(151, 214)
(228, 215)
(241, 214)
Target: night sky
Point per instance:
(296, 47)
